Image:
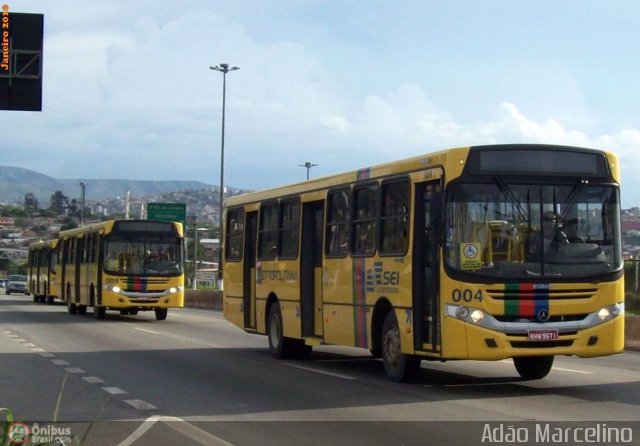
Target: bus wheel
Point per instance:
(71, 307)
(50, 300)
(161, 314)
(99, 312)
(533, 367)
(82, 309)
(398, 366)
(279, 346)
(36, 299)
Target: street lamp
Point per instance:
(308, 165)
(224, 69)
(82, 186)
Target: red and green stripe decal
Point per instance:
(136, 284)
(360, 302)
(526, 299)
(363, 174)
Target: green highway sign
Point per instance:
(167, 212)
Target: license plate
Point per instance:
(543, 335)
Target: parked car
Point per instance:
(17, 284)
(3, 282)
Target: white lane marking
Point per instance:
(37, 349)
(47, 355)
(20, 340)
(140, 405)
(14, 336)
(74, 370)
(92, 379)
(584, 372)
(60, 362)
(309, 369)
(179, 425)
(113, 390)
(30, 345)
(146, 331)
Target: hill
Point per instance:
(15, 182)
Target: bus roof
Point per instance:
(453, 160)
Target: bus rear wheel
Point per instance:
(533, 367)
(398, 366)
(71, 307)
(161, 314)
(280, 346)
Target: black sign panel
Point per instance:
(21, 61)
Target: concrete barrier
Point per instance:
(212, 300)
(632, 333)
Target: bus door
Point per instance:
(427, 227)
(311, 269)
(249, 270)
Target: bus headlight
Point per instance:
(116, 289)
(462, 312)
(477, 316)
(611, 311)
(173, 290)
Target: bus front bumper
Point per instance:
(600, 333)
(114, 297)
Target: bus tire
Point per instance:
(71, 307)
(50, 300)
(99, 312)
(533, 367)
(36, 299)
(82, 309)
(398, 366)
(161, 314)
(279, 346)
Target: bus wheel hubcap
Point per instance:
(392, 346)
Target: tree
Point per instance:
(68, 223)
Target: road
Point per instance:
(196, 379)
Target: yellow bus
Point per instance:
(123, 265)
(42, 277)
(482, 252)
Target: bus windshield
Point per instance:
(501, 230)
(143, 254)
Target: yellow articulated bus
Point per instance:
(483, 252)
(42, 277)
(122, 265)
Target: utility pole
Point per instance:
(308, 165)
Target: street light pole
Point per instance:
(308, 165)
(82, 187)
(224, 69)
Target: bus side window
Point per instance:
(337, 230)
(235, 235)
(365, 202)
(395, 217)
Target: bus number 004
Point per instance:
(466, 295)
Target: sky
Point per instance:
(128, 91)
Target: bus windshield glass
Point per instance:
(143, 254)
(503, 230)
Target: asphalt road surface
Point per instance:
(196, 379)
